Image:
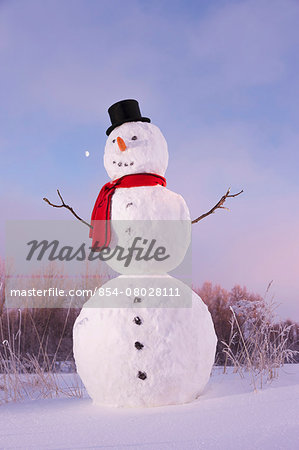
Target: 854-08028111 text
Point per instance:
(144, 292)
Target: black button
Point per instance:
(142, 375)
(137, 300)
(138, 345)
(137, 320)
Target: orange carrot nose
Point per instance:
(121, 144)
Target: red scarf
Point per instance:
(101, 214)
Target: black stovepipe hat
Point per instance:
(124, 111)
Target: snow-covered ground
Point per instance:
(228, 416)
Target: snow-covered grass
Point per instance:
(19, 387)
(31, 376)
(258, 344)
(229, 415)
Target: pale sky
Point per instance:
(220, 79)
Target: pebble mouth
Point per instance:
(120, 164)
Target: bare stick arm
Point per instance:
(218, 205)
(63, 205)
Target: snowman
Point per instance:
(144, 338)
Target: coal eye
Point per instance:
(134, 138)
(114, 140)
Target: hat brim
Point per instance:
(115, 125)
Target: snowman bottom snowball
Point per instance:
(143, 356)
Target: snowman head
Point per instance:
(135, 147)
